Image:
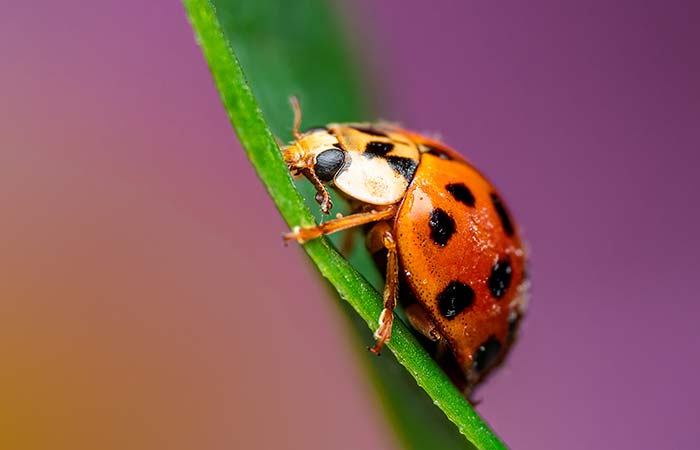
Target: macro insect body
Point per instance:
(452, 252)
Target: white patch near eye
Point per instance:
(370, 180)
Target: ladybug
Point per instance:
(452, 252)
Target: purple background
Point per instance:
(140, 260)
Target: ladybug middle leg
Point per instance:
(380, 237)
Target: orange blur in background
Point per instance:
(135, 241)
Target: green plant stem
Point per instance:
(264, 155)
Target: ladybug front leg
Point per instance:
(302, 235)
(381, 236)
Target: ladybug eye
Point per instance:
(328, 163)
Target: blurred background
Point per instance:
(146, 299)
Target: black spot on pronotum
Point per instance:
(486, 354)
(405, 166)
(454, 299)
(499, 280)
(370, 131)
(502, 213)
(442, 226)
(328, 163)
(461, 193)
(377, 148)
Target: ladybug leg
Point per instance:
(382, 232)
(422, 323)
(348, 242)
(302, 235)
(322, 196)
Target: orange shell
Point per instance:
(479, 335)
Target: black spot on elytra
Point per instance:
(328, 163)
(487, 354)
(461, 193)
(371, 131)
(442, 226)
(405, 166)
(502, 213)
(500, 277)
(377, 148)
(454, 299)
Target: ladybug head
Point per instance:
(316, 155)
(354, 159)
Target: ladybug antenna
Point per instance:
(294, 102)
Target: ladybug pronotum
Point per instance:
(452, 252)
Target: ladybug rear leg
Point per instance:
(382, 236)
(421, 322)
